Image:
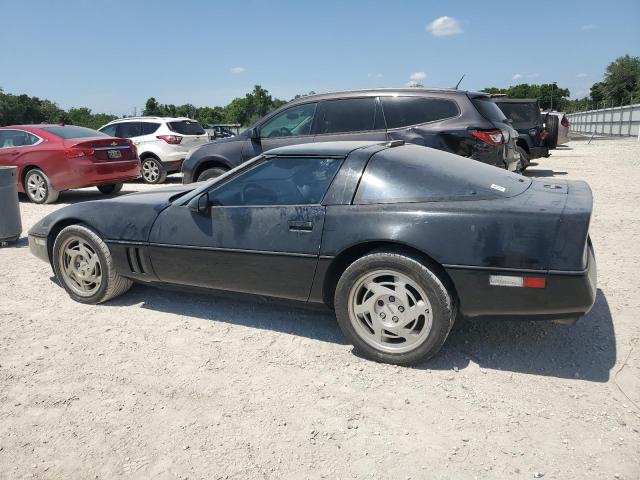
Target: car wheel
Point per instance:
(153, 171)
(38, 187)
(210, 173)
(393, 308)
(110, 188)
(84, 266)
(524, 158)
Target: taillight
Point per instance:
(134, 150)
(170, 139)
(543, 134)
(565, 122)
(75, 152)
(492, 137)
(511, 281)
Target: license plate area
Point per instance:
(111, 154)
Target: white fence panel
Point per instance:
(620, 121)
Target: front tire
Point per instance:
(84, 266)
(210, 173)
(393, 308)
(153, 172)
(110, 188)
(38, 187)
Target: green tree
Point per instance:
(621, 80)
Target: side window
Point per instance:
(128, 130)
(348, 115)
(109, 130)
(279, 181)
(16, 138)
(147, 128)
(6, 138)
(293, 121)
(406, 111)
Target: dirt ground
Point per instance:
(160, 384)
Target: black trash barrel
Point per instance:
(10, 222)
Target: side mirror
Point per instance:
(200, 204)
(254, 133)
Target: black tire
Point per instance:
(111, 285)
(110, 188)
(524, 158)
(443, 307)
(153, 172)
(210, 173)
(552, 127)
(38, 187)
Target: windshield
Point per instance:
(186, 127)
(69, 131)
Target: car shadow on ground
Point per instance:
(586, 351)
(540, 172)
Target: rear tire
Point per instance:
(110, 188)
(210, 173)
(393, 308)
(84, 266)
(38, 187)
(552, 128)
(524, 158)
(153, 172)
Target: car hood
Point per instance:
(127, 217)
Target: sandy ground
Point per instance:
(158, 384)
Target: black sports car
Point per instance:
(399, 239)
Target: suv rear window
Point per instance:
(488, 109)
(70, 131)
(186, 127)
(415, 174)
(406, 111)
(524, 115)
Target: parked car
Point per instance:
(222, 130)
(53, 158)
(162, 142)
(525, 117)
(396, 238)
(464, 123)
(557, 126)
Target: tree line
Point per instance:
(619, 86)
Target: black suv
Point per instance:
(464, 123)
(525, 117)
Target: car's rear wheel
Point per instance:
(38, 187)
(153, 172)
(210, 173)
(524, 158)
(110, 188)
(393, 308)
(84, 266)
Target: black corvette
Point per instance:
(399, 239)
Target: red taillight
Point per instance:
(543, 134)
(75, 152)
(535, 282)
(565, 122)
(170, 139)
(134, 150)
(492, 137)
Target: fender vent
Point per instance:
(136, 261)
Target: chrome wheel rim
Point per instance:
(80, 266)
(37, 187)
(390, 311)
(150, 171)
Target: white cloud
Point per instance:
(417, 76)
(375, 75)
(444, 26)
(591, 26)
(517, 76)
(582, 75)
(412, 83)
(237, 70)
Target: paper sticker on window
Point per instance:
(498, 187)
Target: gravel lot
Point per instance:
(172, 385)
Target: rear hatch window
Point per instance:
(69, 131)
(186, 127)
(523, 115)
(488, 109)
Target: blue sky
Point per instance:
(111, 55)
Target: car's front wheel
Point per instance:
(110, 188)
(210, 173)
(153, 171)
(393, 308)
(38, 187)
(84, 266)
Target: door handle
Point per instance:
(295, 226)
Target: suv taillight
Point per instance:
(492, 137)
(170, 139)
(76, 152)
(565, 122)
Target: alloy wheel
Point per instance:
(150, 171)
(80, 266)
(37, 187)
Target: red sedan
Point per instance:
(53, 158)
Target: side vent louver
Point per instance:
(136, 261)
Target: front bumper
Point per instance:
(38, 247)
(567, 294)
